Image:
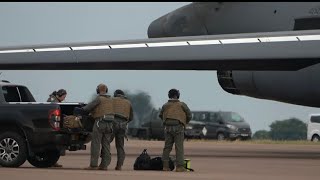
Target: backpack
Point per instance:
(72, 122)
(86, 120)
(143, 161)
(157, 164)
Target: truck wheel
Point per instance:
(315, 138)
(44, 159)
(221, 137)
(13, 149)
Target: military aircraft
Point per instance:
(266, 50)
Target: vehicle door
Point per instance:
(213, 124)
(314, 125)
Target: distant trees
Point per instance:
(288, 129)
(261, 134)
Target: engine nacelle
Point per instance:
(208, 18)
(296, 87)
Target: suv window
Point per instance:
(199, 116)
(214, 117)
(231, 117)
(11, 93)
(315, 119)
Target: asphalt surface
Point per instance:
(210, 160)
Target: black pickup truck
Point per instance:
(34, 131)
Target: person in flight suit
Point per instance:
(123, 115)
(58, 96)
(101, 109)
(175, 115)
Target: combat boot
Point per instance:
(180, 169)
(166, 166)
(118, 168)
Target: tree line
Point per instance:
(288, 129)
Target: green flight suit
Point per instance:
(102, 130)
(174, 129)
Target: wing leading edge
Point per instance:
(287, 50)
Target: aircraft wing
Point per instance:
(286, 50)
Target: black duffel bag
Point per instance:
(157, 164)
(143, 161)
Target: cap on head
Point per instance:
(118, 92)
(173, 92)
(102, 88)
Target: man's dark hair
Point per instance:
(118, 92)
(173, 92)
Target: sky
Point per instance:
(45, 23)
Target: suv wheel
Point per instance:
(13, 149)
(44, 159)
(315, 138)
(221, 137)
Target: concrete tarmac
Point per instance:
(210, 159)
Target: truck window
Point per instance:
(315, 119)
(25, 94)
(11, 93)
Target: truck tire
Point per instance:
(44, 159)
(221, 136)
(315, 138)
(13, 149)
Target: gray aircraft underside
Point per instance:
(267, 50)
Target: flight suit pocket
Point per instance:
(109, 128)
(173, 129)
(179, 129)
(123, 126)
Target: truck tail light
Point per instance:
(54, 119)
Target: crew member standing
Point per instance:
(175, 115)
